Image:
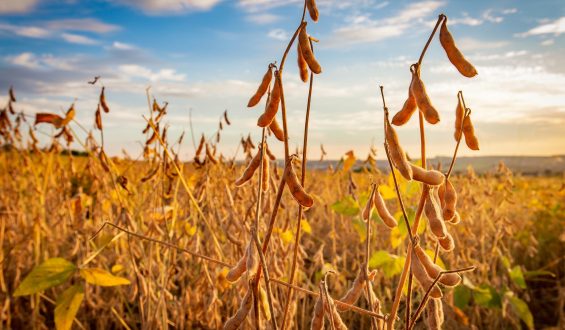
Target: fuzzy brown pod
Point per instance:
(272, 106)
(123, 182)
(266, 177)
(11, 108)
(408, 109)
(12, 94)
(422, 276)
(367, 211)
(156, 107)
(330, 307)
(434, 314)
(469, 132)
(447, 243)
(49, 118)
(307, 52)
(302, 65)
(397, 154)
(418, 90)
(433, 270)
(263, 86)
(104, 161)
(103, 101)
(200, 145)
(356, 290)
(153, 136)
(209, 154)
(312, 9)
(383, 211)
(151, 173)
(432, 210)
(449, 201)
(296, 189)
(240, 267)
(277, 130)
(226, 119)
(264, 303)
(459, 117)
(251, 263)
(455, 56)
(429, 177)
(270, 154)
(317, 322)
(98, 118)
(249, 170)
(237, 320)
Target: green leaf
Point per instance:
(390, 264)
(461, 296)
(52, 272)
(67, 307)
(379, 258)
(520, 308)
(518, 277)
(361, 229)
(101, 277)
(346, 206)
(486, 296)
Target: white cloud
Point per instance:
(262, 5)
(27, 60)
(263, 18)
(44, 62)
(82, 24)
(122, 46)
(17, 6)
(78, 39)
(278, 34)
(26, 31)
(362, 28)
(553, 27)
(139, 71)
(489, 15)
(171, 6)
(548, 42)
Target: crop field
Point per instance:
(153, 241)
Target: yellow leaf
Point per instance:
(189, 229)
(101, 277)
(117, 268)
(67, 307)
(287, 236)
(387, 192)
(305, 226)
(349, 161)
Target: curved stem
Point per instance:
(467, 113)
(300, 208)
(439, 20)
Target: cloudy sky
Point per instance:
(209, 55)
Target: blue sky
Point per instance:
(209, 55)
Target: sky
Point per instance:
(209, 56)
